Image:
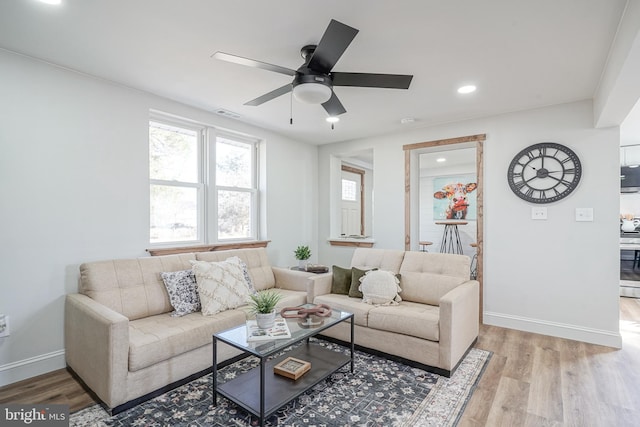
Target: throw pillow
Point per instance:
(356, 274)
(183, 291)
(245, 273)
(380, 287)
(341, 280)
(221, 286)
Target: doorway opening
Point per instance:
(411, 218)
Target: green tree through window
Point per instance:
(188, 204)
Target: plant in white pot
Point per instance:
(302, 253)
(263, 305)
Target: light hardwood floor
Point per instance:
(531, 380)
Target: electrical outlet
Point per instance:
(4, 325)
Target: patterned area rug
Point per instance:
(380, 392)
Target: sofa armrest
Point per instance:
(97, 346)
(459, 322)
(320, 284)
(292, 279)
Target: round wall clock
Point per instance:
(544, 172)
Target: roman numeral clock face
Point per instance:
(544, 172)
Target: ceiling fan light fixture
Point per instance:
(312, 93)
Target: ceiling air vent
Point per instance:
(227, 113)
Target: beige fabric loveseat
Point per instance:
(437, 320)
(121, 340)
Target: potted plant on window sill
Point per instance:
(302, 253)
(263, 305)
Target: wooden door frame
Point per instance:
(408, 149)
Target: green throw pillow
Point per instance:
(356, 274)
(341, 280)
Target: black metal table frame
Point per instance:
(262, 414)
(451, 240)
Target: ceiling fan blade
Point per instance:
(253, 63)
(333, 106)
(389, 81)
(269, 96)
(335, 40)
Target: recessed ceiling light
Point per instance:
(56, 2)
(633, 166)
(407, 120)
(467, 89)
(333, 119)
(441, 159)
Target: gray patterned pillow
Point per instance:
(183, 291)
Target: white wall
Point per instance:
(74, 188)
(557, 277)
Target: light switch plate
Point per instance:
(584, 214)
(539, 212)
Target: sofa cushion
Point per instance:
(132, 287)
(359, 309)
(380, 287)
(161, 337)
(356, 275)
(407, 318)
(221, 286)
(290, 298)
(340, 280)
(384, 259)
(257, 264)
(183, 291)
(427, 277)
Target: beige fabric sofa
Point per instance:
(435, 324)
(121, 340)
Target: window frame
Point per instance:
(252, 190)
(207, 189)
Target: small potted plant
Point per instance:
(302, 253)
(263, 305)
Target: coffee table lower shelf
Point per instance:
(244, 390)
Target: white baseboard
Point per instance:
(561, 330)
(34, 366)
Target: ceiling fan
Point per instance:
(313, 82)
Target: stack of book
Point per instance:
(317, 268)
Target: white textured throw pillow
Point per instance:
(221, 286)
(380, 287)
(245, 272)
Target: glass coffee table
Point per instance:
(262, 392)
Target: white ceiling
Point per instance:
(520, 54)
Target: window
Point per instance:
(192, 202)
(349, 190)
(236, 189)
